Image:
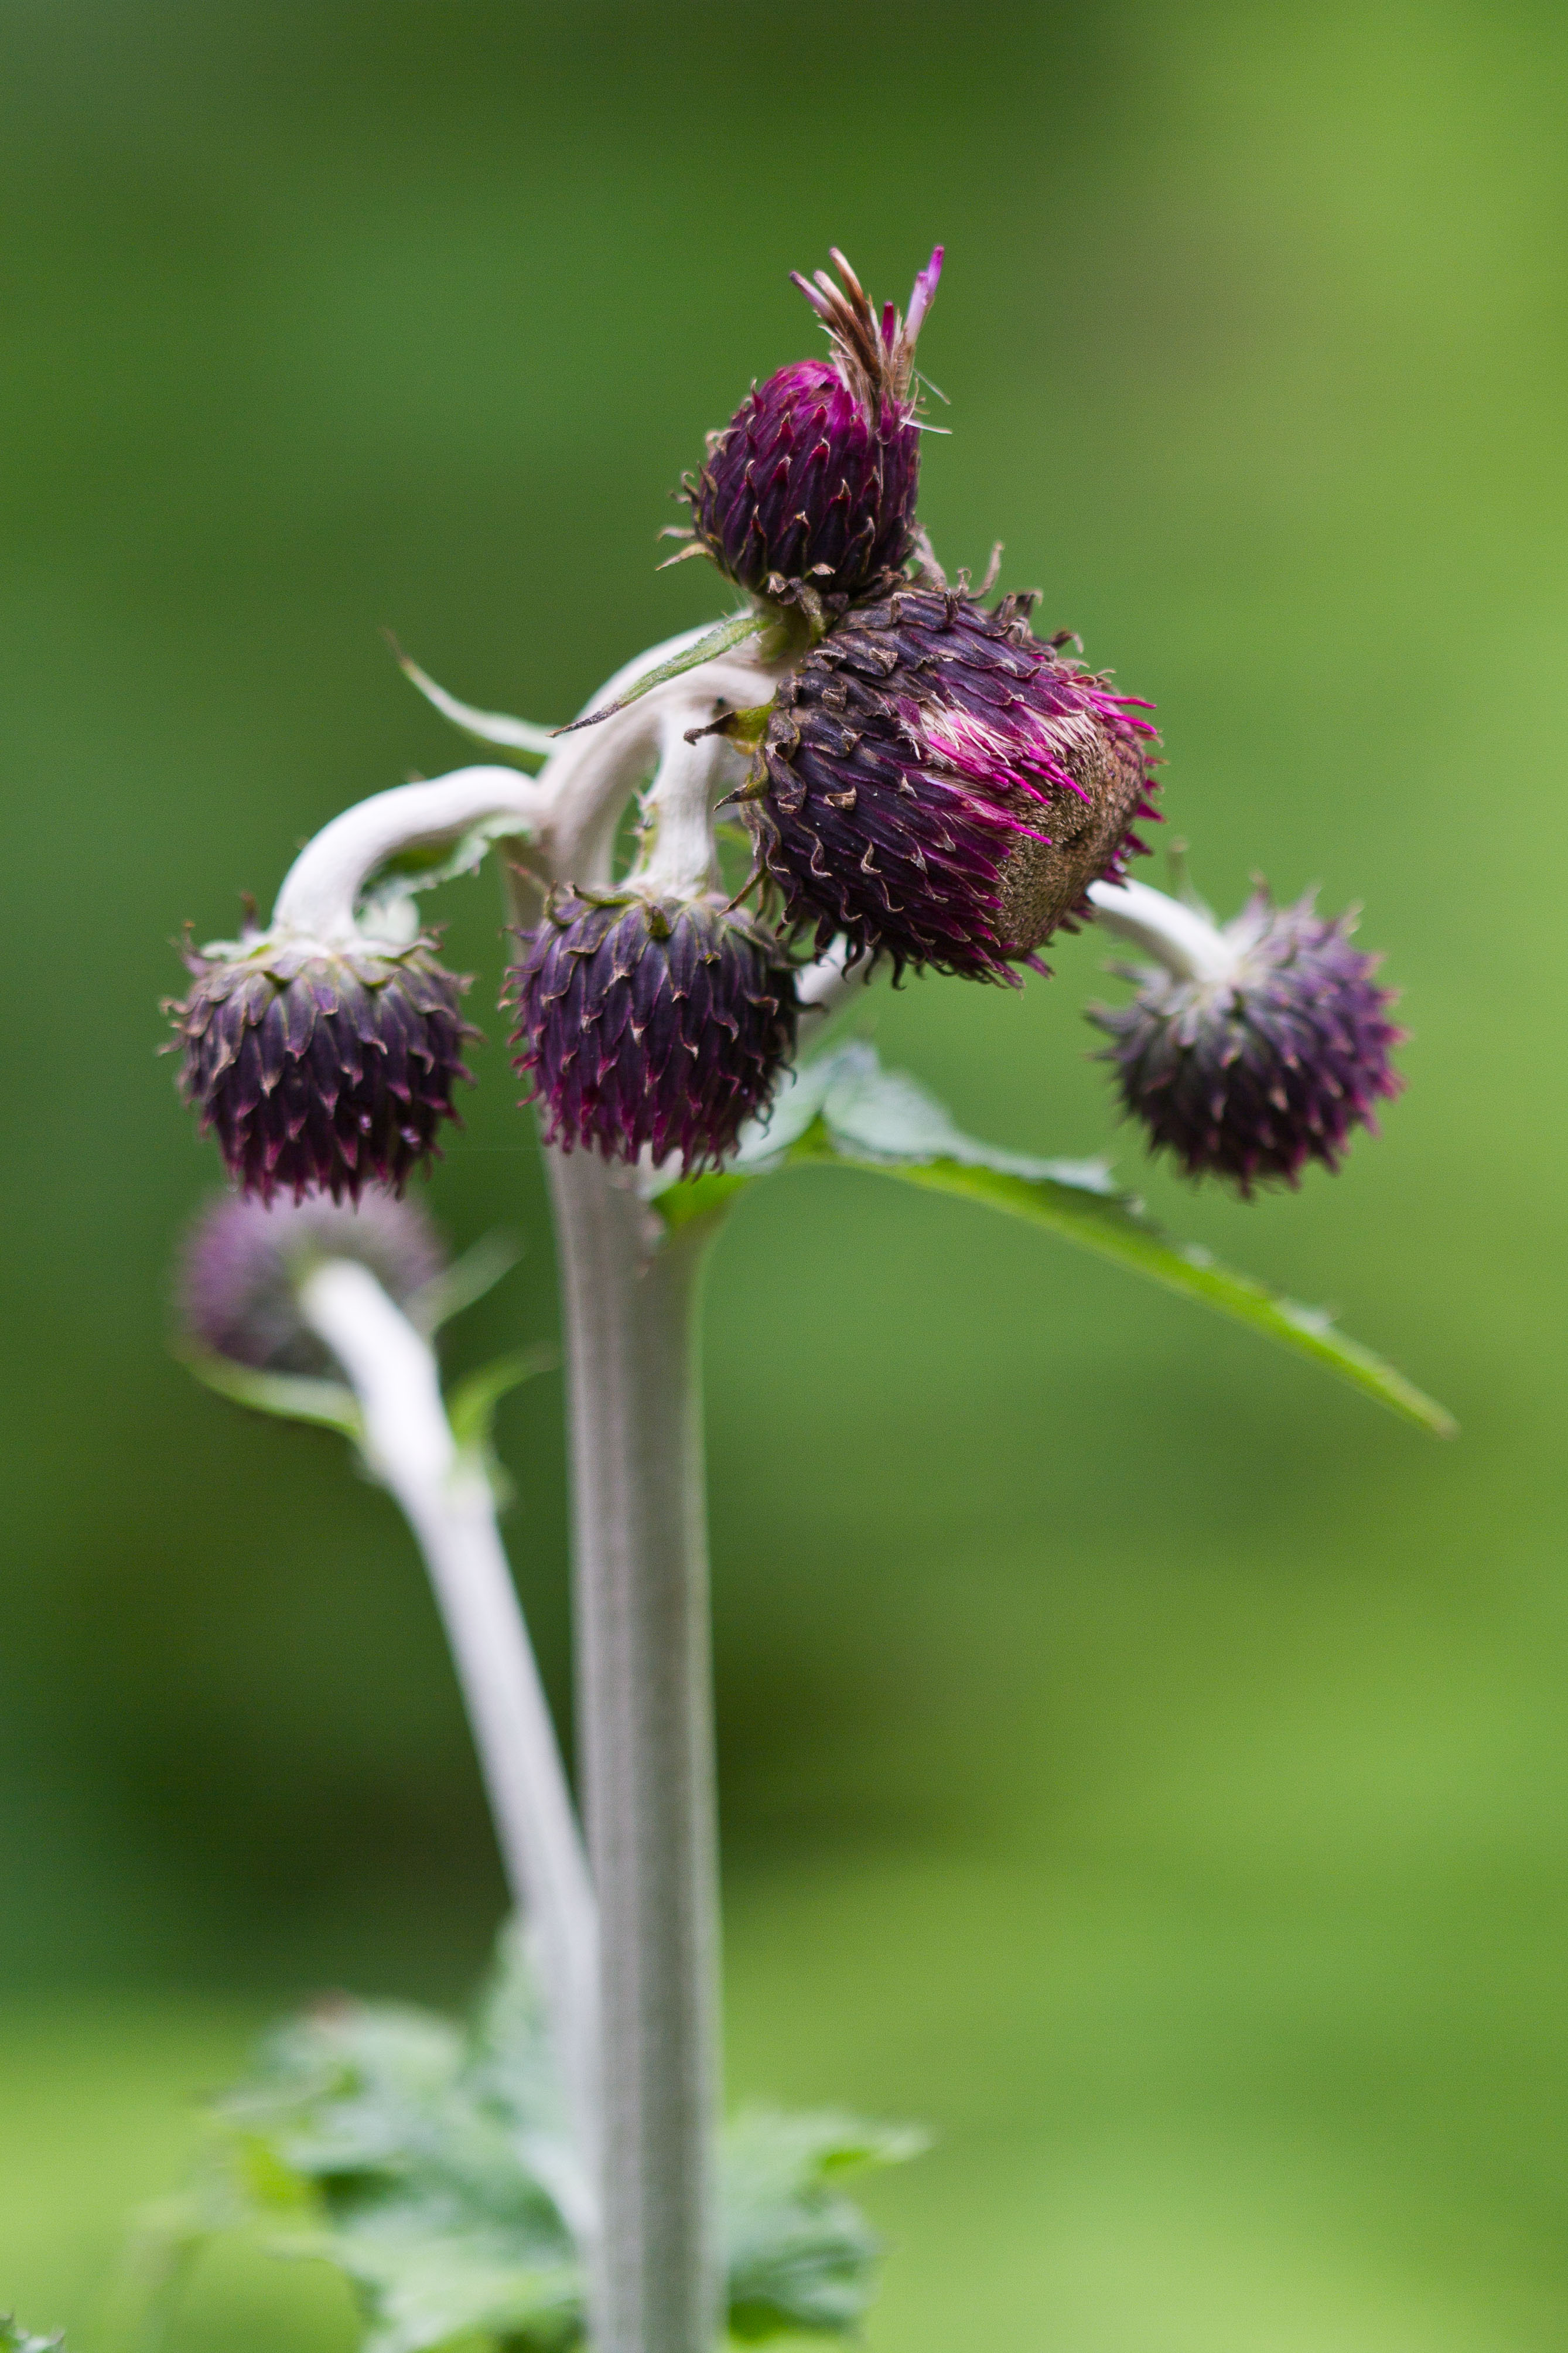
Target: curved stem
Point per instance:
(448, 1505)
(1185, 941)
(322, 887)
(645, 1713)
(591, 776)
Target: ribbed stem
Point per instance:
(645, 1710)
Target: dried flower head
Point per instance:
(655, 1024)
(321, 1067)
(814, 479)
(941, 787)
(1267, 1060)
(238, 1271)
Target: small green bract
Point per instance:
(430, 2164)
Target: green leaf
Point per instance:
(845, 1111)
(292, 1396)
(800, 2255)
(14, 2338)
(718, 640)
(425, 864)
(471, 1406)
(529, 744)
(468, 1278)
(432, 2166)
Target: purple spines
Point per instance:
(653, 1024)
(237, 1273)
(814, 479)
(1251, 1075)
(943, 787)
(321, 1069)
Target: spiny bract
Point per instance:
(650, 1023)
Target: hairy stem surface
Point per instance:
(644, 1713)
(448, 1504)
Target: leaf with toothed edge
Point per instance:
(528, 744)
(845, 1110)
(430, 2165)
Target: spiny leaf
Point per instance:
(431, 2166)
(845, 1111)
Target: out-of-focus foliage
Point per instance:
(430, 2165)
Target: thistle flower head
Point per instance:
(812, 481)
(1268, 1057)
(322, 1067)
(239, 1269)
(941, 787)
(650, 1023)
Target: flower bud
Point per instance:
(942, 788)
(238, 1271)
(1267, 1058)
(812, 481)
(321, 1067)
(655, 1024)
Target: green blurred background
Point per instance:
(1142, 1759)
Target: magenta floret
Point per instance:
(321, 1069)
(655, 1024)
(814, 479)
(1249, 1076)
(941, 787)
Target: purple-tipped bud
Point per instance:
(320, 1069)
(238, 1271)
(943, 787)
(814, 479)
(655, 1024)
(1268, 1062)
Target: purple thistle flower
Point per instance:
(942, 788)
(239, 1269)
(1269, 1059)
(814, 479)
(650, 1023)
(323, 1069)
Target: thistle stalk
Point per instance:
(448, 1505)
(645, 1710)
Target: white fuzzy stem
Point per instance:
(448, 1502)
(1183, 941)
(644, 1715)
(591, 776)
(826, 986)
(321, 888)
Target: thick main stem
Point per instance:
(645, 1709)
(448, 1505)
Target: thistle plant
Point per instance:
(924, 785)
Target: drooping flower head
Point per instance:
(814, 479)
(239, 1269)
(1267, 1054)
(659, 1023)
(321, 1067)
(941, 787)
